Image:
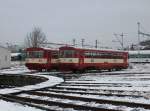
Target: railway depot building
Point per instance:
(5, 58)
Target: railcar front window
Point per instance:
(35, 54)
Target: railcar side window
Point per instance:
(67, 53)
(35, 54)
(139, 55)
(87, 54)
(118, 55)
(91, 54)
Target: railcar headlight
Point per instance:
(58, 60)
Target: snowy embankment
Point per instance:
(133, 81)
(50, 82)
(23, 70)
(136, 68)
(135, 78)
(15, 70)
(9, 106)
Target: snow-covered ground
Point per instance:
(136, 79)
(51, 81)
(23, 70)
(136, 68)
(15, 70)
(9, 106)
(137, 82)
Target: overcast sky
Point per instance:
(63, 20)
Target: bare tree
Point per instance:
(35, 38)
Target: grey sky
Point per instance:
(63, 20)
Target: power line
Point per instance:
(121, 41)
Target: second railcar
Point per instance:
(80, 59)
(139, 56)
(41, 59)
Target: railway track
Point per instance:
(70, 95)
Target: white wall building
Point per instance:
(5, 58)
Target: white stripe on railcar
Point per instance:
(36, 60)
(69, 60)
(54, 60)
(90, 60)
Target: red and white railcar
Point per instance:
(41, 59)
(80, 59)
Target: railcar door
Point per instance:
(125, 57)
(81, 59)
(49, 57)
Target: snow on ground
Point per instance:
(51, 81)
(122, 80)
(136, 68)
(16, 70)
(77, 102)
(23, 70)
(115, 98)
(9, 106)
(137, 82)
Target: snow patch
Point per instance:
(9, 106)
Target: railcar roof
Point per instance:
(40, 48)
(47, 48)
(101, 49)
(15, 54)
(139, 52)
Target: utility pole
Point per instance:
(82, 42)
(120, 41)
(74, 42)
(138, 41)
(138, 35)
(96, 43)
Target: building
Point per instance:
(15, 56)
(5, 58)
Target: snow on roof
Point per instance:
(15, 54)
(41, 48)
(49, 48)
(105, 49)
(139, 52)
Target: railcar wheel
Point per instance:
(118, 69)
(82, 71)
(109, 70)
(40, 70)
(78, 71)
(74, 71)
(99, 70)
